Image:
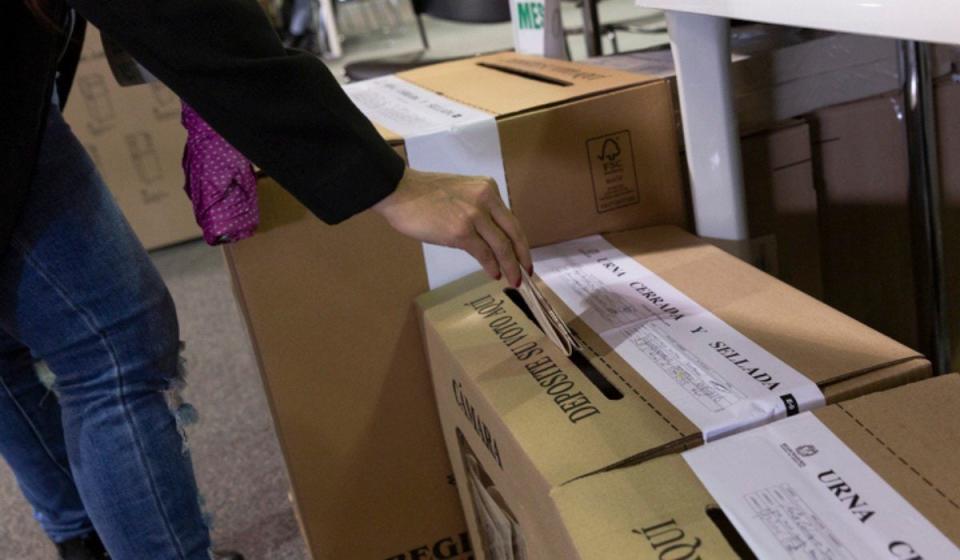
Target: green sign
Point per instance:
(530, 15)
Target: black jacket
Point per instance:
(282, 109)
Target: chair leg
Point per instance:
(423, 32)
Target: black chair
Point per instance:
(462, 11)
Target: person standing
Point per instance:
(103, 461)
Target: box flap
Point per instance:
(506, 83)
(910, 436)
(813, 338)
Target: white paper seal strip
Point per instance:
(718, 378)
(793, 489)
(440, 135)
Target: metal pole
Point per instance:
(423, 32)
(926, 234)
(591, 28)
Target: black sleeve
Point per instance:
(283, 109)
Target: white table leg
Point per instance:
(329, 21)
(701, 52)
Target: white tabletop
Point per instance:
(934, 21)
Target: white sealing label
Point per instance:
(718, 378)
(440, 135)
(794, 490)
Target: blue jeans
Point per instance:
(103, 450)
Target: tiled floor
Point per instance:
(238, 461)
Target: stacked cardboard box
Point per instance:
(782, 205)
(136, 141)
(795, 495)
(862, 176)
(675, 333)
(325, 293)
(601, 141)
(330, 312)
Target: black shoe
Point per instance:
(83, 548)
(91, 548)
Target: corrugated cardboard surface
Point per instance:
(902, 435)
(861, 173)
(366, 418)
(862, 176)
(585, 150)
(553, 159)
(782, 204)
(135, 138)
(330, 315)
(539, 448)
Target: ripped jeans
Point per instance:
(78, 291)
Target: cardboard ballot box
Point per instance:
(595, 149)
(579, 151)
(306, 288)
(681, 343)
(875, 477)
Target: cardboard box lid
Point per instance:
(506, 83)
(902, 434)
(814, 339)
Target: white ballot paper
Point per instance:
(550, 321)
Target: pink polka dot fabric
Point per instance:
(220, 183)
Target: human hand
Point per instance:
(463, 212)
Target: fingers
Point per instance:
(489, 198)
(500, 245)
(510, 225)
(473, 244)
